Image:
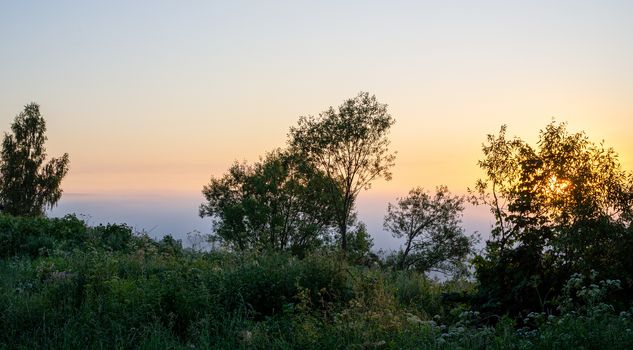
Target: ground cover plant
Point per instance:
(104, 287)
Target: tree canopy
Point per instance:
(431, 227)
(566, 181)
(28, 185)
(350, 146)
(281, 203)
(560, 207)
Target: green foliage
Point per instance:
(359, 246)
(416, 291)
(266, 284)
(289, 201)
(39, 236)
(430, 225)
(559, 261)
(279, 204)
(350, 146)
(104, 288)
(27, 184)
(560, 208)
(109, 287)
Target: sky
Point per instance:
(152, 98)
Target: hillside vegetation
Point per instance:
(66, 285)
(294, 267)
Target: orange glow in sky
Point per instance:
(156, 97)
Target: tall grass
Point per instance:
(78, 287)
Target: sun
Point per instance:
(557, 185)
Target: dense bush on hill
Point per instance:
(39, 236)
(104, 287)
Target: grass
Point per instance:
(77, 287)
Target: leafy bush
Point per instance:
(265, 284)
(104, 288)
(38, 236)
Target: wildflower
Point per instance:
(411, 318)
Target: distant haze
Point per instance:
(176, 215)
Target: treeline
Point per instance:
(296, 269)
(302, 198)
(562, 207)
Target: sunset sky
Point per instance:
(151, 98)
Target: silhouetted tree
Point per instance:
(28, 185)
(430, 225)
(559, 208)
(280, 203)
(350, 146)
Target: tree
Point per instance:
(560, 207)
(359, 245)
(280, 203)
(28, 185)
(350, 146)
(430, 225)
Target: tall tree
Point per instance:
(565, 181)
(280, 203)
(560, 207)
(350, 145)
(431, 227)
(28, 185)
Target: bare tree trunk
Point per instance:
(405, 254)
(344, 221)
(343, 232)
